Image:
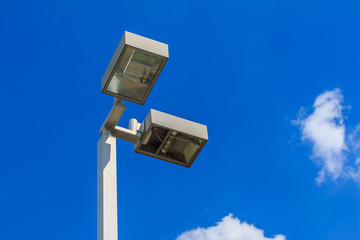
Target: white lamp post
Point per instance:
(131, 74)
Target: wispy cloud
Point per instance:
(325, 128)
(230, 228)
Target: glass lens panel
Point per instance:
(154, 139)
(134, 74)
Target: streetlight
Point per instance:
(131, 74)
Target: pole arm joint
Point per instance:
(114, 116)
(110, 124)
(125, 134)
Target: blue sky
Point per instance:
(252, 71)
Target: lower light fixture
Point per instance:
(171, 138)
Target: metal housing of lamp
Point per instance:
(134, 68)
(171, 138)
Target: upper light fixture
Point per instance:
(134, 68)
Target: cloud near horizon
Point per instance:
(325, 128)
(229, 228)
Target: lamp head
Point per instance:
(171, 138)
(134, 68)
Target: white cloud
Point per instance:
(230, 228)
(354, 139)
(325, 128)
(354, 172)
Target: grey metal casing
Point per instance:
(131, 40)
(170, 122)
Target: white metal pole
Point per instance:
(107, 228)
